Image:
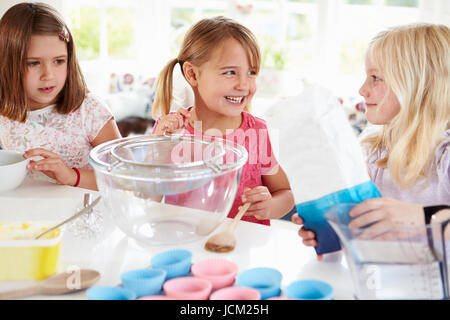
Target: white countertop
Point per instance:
(113, 253)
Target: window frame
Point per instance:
(326, 15)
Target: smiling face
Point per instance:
(382, 104)
(46, 70)
(226, 83)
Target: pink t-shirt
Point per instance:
(254, 136)
(69, 135)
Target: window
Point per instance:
(403, 3)
(321, 40)
(121, 32)
(85, 26)
(285, 29)
(181, 20)
(103, 29)
(360, 1)
(359, 21)
(183, 14)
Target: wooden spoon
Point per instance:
(206, 226)
(57, 284)
(225, 241)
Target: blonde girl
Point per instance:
(220, 59)
(45, 108)
(407, 93)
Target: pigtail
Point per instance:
(164, 88)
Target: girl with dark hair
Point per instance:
(46, 110)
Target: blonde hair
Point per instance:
(17, 26)
(415, 63)
(198, 44)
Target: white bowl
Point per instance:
(13, 169)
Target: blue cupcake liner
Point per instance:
(310, 290)
(110, 293)
(266, 280)
(176, 262)
(144, 282)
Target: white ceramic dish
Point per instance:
(13, 169)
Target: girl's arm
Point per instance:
(53, 166)
(282, 197)
(274, 199)
(109, 132)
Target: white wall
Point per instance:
(435, 11)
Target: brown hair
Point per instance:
(17, 26)
(198, 44)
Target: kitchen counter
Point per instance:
(112, 252)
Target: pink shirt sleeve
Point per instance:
(156, 124)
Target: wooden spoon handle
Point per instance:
(19, 293)
(238, 216)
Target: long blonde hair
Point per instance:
(415, 63)
(198, 44)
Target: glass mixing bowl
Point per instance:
(168, 190)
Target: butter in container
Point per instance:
(22, 257)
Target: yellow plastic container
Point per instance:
(22, 258)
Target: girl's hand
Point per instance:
(383, 214)
(386, 213)
(260, 199)
(52, 166)
(172, 122)
(309, 237)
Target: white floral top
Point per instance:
(69, 135)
